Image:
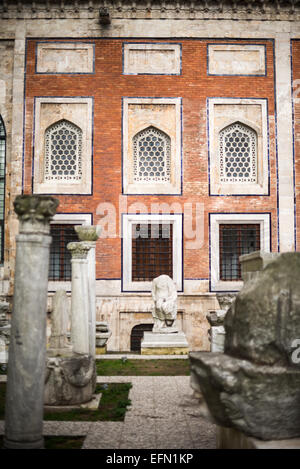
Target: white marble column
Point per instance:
(80, 303)
(285, 143)
(27, 349)
(89, 235)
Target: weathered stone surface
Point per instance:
(217, 331)
(69, 380)
(225, 300)
(217, 338)
(255, 386)
(35, 212)
(102, 334)
(27, 349)
(88, 232)
(216, 318)
(253, 263)
(230, 438)
(265, 319)
(59, 322)
(258, 400)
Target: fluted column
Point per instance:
(27, 350)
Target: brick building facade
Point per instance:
(173, 127)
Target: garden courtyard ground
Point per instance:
(163, 414)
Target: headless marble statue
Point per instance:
(164, 295)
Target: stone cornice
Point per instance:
(152, 9)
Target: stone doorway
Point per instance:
(136, 336)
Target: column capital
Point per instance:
(88, 232)
(35, 212)
(79, 249)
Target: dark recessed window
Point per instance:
(2, 187)
(152, 251)
(236, 240)
(60, 256)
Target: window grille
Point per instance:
(151, 156)
(238, 154)
(236, 240)
(152, 251)
(60, 256)
(63, 152)
(2, 187)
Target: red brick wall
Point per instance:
(108, 86)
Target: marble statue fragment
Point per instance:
(59, 323)
(164, 295)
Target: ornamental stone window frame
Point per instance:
(128, 220)
(217, 219)
(260, 126)
(47, 112)
(146, 120)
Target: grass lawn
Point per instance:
(113, 406)
(159, 367)
(59, 442)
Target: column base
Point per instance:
(9, 444)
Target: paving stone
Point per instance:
(66, 428)
(163, 415)
(104, 435)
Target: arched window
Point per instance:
(2, 186)
(238, 154)
(151, 156)
(63, 152)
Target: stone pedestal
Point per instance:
(217, 336)
(230, 438)
(80, 304)
(217, 331)
(164, 344)
(253, 263)
(27, 350)
(102, 336)
(69, 380)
